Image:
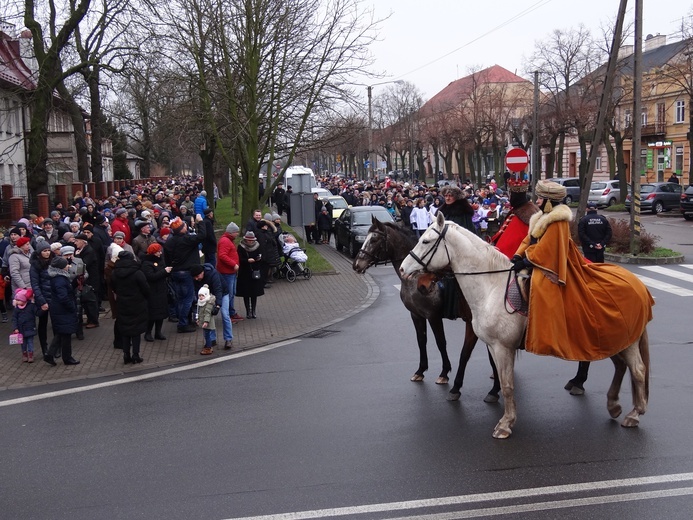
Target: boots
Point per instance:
(31, 357)
(148, 336)
(25, 357)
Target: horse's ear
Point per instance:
(373, 219)
(440, 220)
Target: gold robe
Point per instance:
(577, 310)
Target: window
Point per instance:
(643, 117)
(17, 112)
(679, 160)
(598, 164)
(8, 116)
(680, 111)
(628, 119)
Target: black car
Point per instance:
(351, 228)
(687, 203)
(658, 197)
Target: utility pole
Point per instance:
(637, 131)
(536, 162)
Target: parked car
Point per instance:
(572, 188)
(351, 228)
(687, 203)
(658, 196)
(605, 193)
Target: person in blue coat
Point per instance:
(63, 312)
(200, 204)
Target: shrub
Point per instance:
(620, 239)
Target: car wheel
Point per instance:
(657, 207)
(687, 216)
(612, 202)
(353, 249)
(568, 199)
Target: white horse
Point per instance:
(477, 263)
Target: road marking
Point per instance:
(145, 377)
(502, 495)
(684, 277)
(664, 286)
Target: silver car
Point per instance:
(605, 193)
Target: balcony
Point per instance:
(656, 129)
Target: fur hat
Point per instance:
(23, 240)
(454, 190)
(59, 262)
(232, 228)
(550, 190)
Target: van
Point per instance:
(293, 170)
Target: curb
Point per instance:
(644, 260)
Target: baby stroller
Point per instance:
(293, 263)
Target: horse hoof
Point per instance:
(442, 380)
(454, 396)
(417, 378)
(576, 390)
(615, 411)
(630, 422)
(569, 385)
(501, 433)
(490, 398)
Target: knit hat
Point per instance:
(67, 250)
(232, 228)
(23, 240)
(115, 250)
(267, 216)
(154, 248)
(42, 245)
(249, 235)
(196, 269)
(118, 234)
(121, 211)
(47, 221)
(145, 214)
(275, 216)
(125, 255)
(59, 262)
(204, 292)
(208, 210)
(550, 190)
(15, 230)
(56, 246)
(177, 225)
(23, 295)
(164, 232)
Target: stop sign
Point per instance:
(516, 160)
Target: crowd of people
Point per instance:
(140, 250)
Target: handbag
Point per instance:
(256, 274)
(16, 339)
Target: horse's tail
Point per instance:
(644, 347)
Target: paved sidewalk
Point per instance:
(287, 310)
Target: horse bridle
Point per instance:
(429, 254)
(370, 256)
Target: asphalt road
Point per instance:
(334, 422)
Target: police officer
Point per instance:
(595, 233)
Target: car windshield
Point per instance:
(339, 203)
(598, 186)
(364, 218)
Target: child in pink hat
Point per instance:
(24, 321)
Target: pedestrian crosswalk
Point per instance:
(672, 279)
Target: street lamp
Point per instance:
(370, 119)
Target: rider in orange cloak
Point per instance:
(577, 310)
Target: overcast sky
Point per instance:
(434, 42)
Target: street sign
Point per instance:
(516, 160)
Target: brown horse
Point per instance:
(423, 297)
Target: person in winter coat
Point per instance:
(207, 275)
(63, 312)
(420, 217)
(270, 249)
(24, 321)
(41, 285)
(19, 263)
(200, 204)
(132, 294)
(250, 285)
(457, 208)
(121, 224)
(206, 305)
(86, 253)
(228, 265)
(324, 225)
(143, 240)
(156, 272)
(209, 245)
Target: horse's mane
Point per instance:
(408, 234)
(498, 260)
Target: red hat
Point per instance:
(164, 231)
(23, 240)
(154, 248)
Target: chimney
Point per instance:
(625, 51)
(652, 42)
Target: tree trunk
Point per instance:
(559, 156)
(551, 157)
(37, 141)
(611, 156)
(79, 132)
(96, 129)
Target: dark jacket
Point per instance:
(209, 244)
(40, 281)
(91, 264)
(63, 306)
(154, 269)
(268, 244)
(460, 212)
(132, 294)
(24, 320)
(217, 285)
(246, 285)
(182, 251)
